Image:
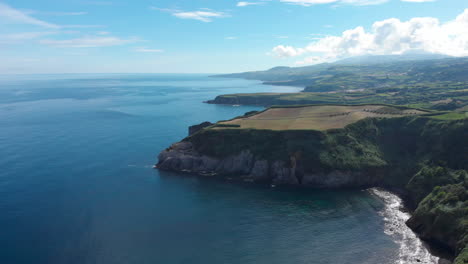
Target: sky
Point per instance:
(219, 36)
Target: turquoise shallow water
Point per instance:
(76, 183)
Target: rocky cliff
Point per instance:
(246, 166)
(442, 217)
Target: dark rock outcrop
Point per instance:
(195, 128)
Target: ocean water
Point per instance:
(77, 184)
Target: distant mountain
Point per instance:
(376, 59)
(366, 72)
(279, 74)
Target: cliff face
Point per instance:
(184, 157)
(264, 100)
(416, 155)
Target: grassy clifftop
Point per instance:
(317, 117)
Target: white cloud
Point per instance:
(98, 3)
(350, 2)
(83, 26)
(11, 15)
(309, 2)
(311, 60)
(288, 51)
(63, 13)
(88, 42)
(47, 13)
(242, 4)
(203, 14)
(230, 38)
(346, 2)
(390, 36)
(148, 50)
(418, 1)
(363, 2)
(24, 36)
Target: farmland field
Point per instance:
(318, 117)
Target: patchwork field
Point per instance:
(319, 117)
(435, 96)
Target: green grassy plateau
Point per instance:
(316, 117)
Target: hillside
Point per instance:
(440, 84)
(438, 97)
(365, 73)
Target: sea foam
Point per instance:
(411, 248)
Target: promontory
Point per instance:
(420, 154)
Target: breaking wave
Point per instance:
(411, 248)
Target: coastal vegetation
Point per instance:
(442, 217)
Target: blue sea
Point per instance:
(77, 184)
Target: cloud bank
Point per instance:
(390, 36)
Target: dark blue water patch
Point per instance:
(77, 184)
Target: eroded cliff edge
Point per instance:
(422, 158)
